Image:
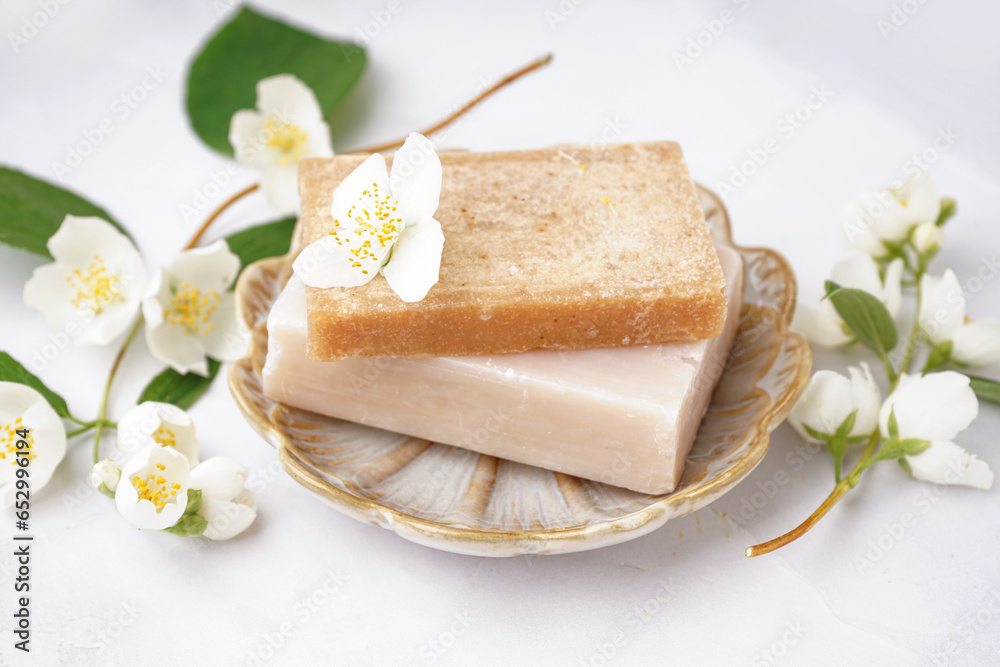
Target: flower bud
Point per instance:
(106, 474)
(927, 237)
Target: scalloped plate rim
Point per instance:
(477, 541)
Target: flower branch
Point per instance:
(916, 425)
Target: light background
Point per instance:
(105, 594)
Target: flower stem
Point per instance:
(226, 204)
(911, 343)
(102, 414)
(889, 371)
(83, 429)
(451, 118)
(842, 487)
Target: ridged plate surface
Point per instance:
(453, 499)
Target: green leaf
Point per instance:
(867, 317)
(32, 210)
(913, 446)
(905, 465)
(251, 47)
(893, 424)
(194, 501)
(948, 208)
(190, 525)
(270, 239)
(987, 390)
(838, 443)
(895, 448)
(180, 390)
(939, 356)
(12, 371)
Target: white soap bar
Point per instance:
(625, 416)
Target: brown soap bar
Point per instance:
(562, 248)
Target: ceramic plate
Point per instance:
(460, 501)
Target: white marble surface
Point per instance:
(309, 586)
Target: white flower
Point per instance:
(822, 325)
(227, 506)
(93, 288)
(105, 473)
(152, 492)
(942, 318)
(21, 407)
(937, 407)
(382, 223)
(927, 237)
(889, 215)
(830, 397)
(162, 424)
(287, 126)
(190, 312)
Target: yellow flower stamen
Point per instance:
(155, 489)
(374, 218)
(165, 437)
(8, 443)
(96, 289)
(191, 308)
(288, 138)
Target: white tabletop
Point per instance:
(307, 585)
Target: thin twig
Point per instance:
(510, 78)
(102, 415)
(226, 204)
(842, 487)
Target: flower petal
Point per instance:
(78, 239)
(49, 291)
(219, 477)
(942, 306)
(289, 99)
(162, 424)
(226, 341)
(823, 405)
(327, 263)
(212, 267)
(945, 462)
(105, 472)
(859, 271)
(318, 142)
(861, 236)
(416, 260)
(341, 259)
(820, 324)
(171, 344)
(919, 197)
(246, 135)
(936, 406)
(163, 462)
(927, 237)
(865, 398)
(416, 178)
(228, 519)
(93, 288)
(280, 183)
(892, 288)
(46, 436)
(977, 343)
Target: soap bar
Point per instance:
(625, 416)
(561, 248)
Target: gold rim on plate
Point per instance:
(485, 506)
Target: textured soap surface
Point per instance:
(561, 248)
(625, 416)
